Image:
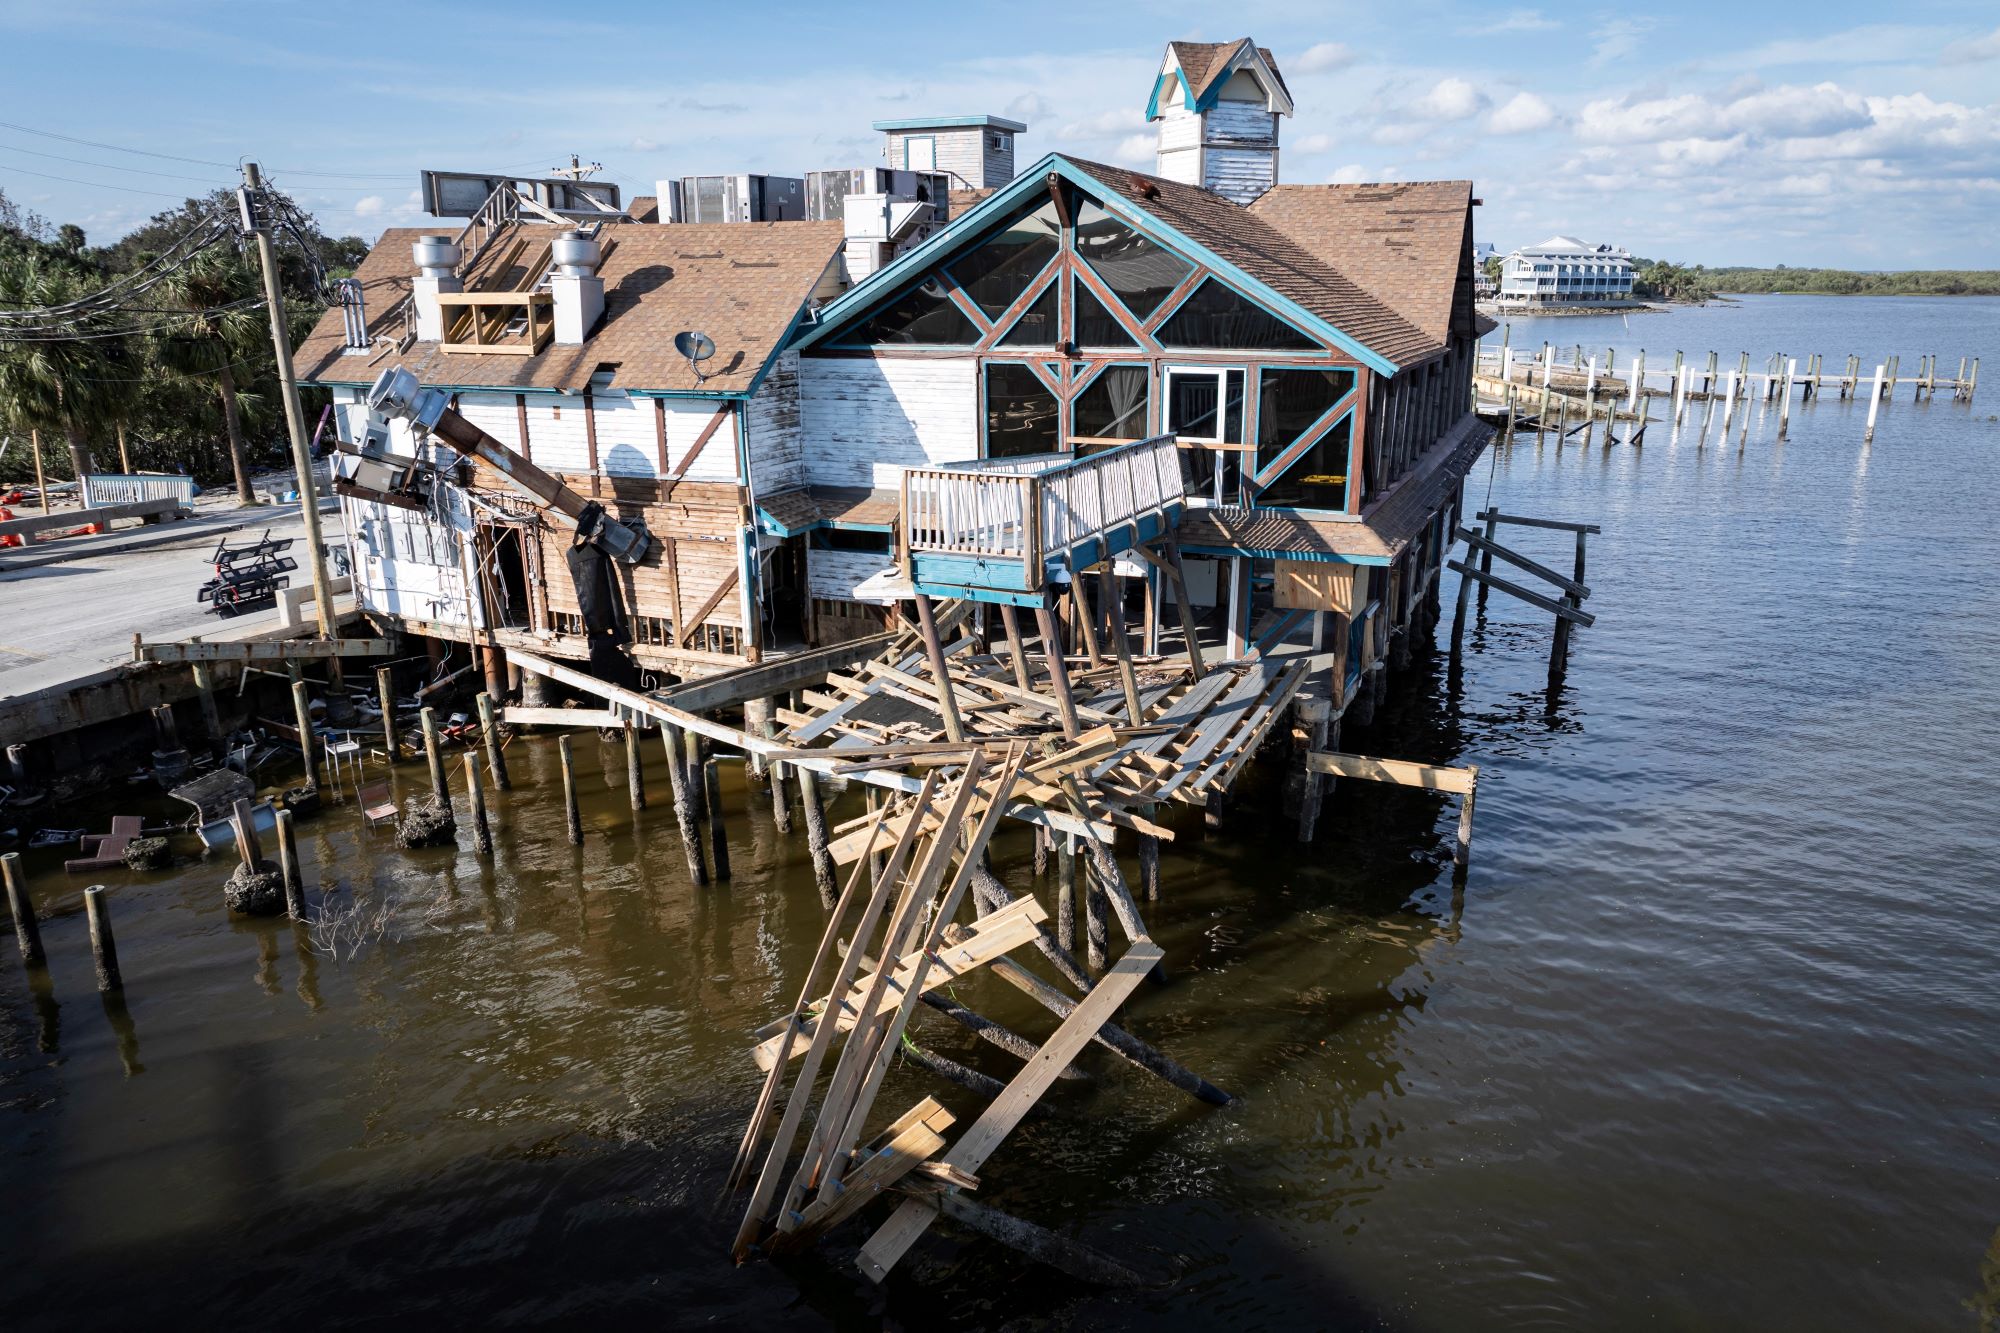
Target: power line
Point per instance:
(195, 161)
(97, 185)
(107, 166)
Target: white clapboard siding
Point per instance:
(1242, 122)
(407, 563)
(835, 575)
(776, 448)
(1240, 174)
(494, 413)
(1179, 128)
(628, 441)
(867, 419)
(558, 440)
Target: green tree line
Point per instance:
(1662, 280)
(188, 379)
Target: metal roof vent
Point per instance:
(576, 254)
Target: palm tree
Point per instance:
(220, 336)
(76, 385)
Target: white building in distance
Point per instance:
(1566, 271)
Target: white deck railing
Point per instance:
(101, 489)
(1035, 508)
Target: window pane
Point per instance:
(1138, 271)
(924, 316)
(1318, 480)
(1114, 406)
(1037, 325)
(1021, 415)
(1289, 401)
(1215, 316)
(995, 274)
(1094, 325)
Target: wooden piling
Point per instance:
(475, 793)
(1874, 405)
(1128, 678)
(781, 807)
(103, 947)
(1785, 399)
(635, 771)
(489, 732)
(954, 729)
(572, 815)
(308, 742)
(822, 860)
(1010, 620)
(1065, 890)
(27, 930)
(385, 692)
(1096, 919)
(718, 834)
(211, 716)
(691, 765)
(1080, 601)
(243, 822)
(289, 868)
(1315, 715)
(1059, 674)
(434, 753)
(670, 740)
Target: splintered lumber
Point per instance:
(766, 1188)
(915, 1137)
(909, 1222)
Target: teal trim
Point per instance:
(1262, 475)
(933, 252)
(950, 123)
(930, 139)
(1153, 102)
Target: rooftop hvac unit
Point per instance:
(827, 191)
(746, 198)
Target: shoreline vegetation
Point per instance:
(1659, 283)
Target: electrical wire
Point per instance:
(97, 185)
(193, 161)
(107, 166)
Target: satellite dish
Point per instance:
(697, 348)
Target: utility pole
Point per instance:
(281, 339)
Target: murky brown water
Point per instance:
(1707, 1041)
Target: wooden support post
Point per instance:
(489, 732)
(243, 822)
(1010, 620)
(1874, 406)
(1096, 918)
(1149, 613)
(573, 817)
(1785, 400)
(1149, 861)
(822, 860)
(1065, 890)
(1080, 604)
(670, 740)
(103, 948)
(385, 693)
(434, 754)
(27, 930)
(691, 764)
(289, 868)
(635, 771)
(1462, 850)
(954, 729)
(1237, 643)
(475, 792)
(781, 807)
(211, 717)
(308, 742)
(1058, 672)
(1315, 715)
(718, 833)
(1128, 679)
(1178, 578)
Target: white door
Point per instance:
(923, 154)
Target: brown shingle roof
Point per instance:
(1205, 62)
(741, 283)
(1274, 258)
(1408, 245)
(961, 201)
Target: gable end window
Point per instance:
(925, 316)
(1216, 317)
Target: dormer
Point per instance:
(1217, 104)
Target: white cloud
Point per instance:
(1118, 120)
(1136, 150)
(1701, 152)
(1824, 108)
(370, 206)
(1313, 143)
(1614, 120)
(1980, 48)
(1030, 107)
(1320, 59)
(1351, 174)
(642, 144)
(1618, 39)
(1523, 113)
(1451, 99)
(1523, 20)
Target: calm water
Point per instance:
(1708, 1039)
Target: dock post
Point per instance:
(635, 771)
(1086, 625)
(1059, 672)
(211, 716)
(475, 791)
(1972, 384)
(385, 692)
(718, 833)
(1510, 414)
(572, 815)
(434, 752)
(489, 732)
(103, 948)
(1874, 406)
(1010, 620)
(1065, 890)
(1121, 646)
(781, 808)
(289, 868)
(1178, 578)
(1638, 382)
(822, 860)
(1680, 391)
(27, 930)
(1315, 714)
(1785, 399)
(954, 729)
(691, 765)
(1895, 369)
(670, 740)
(1096, 918)
(308, 742)
(756, 722)
(1708, 376)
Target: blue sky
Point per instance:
(1840, 134)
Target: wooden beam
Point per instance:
(1402, 772)
(1535, 599)
(722, 590)
(280, 650)
(1495, 516)
(694, 452)
(1535, 567)
(773, 677)
(561, 717)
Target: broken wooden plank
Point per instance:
(1533, 599)
(909, 1222)
(1403, 772)
(1478, 542)
(520, 716)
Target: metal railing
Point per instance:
(1036, 508)
(101, 489)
